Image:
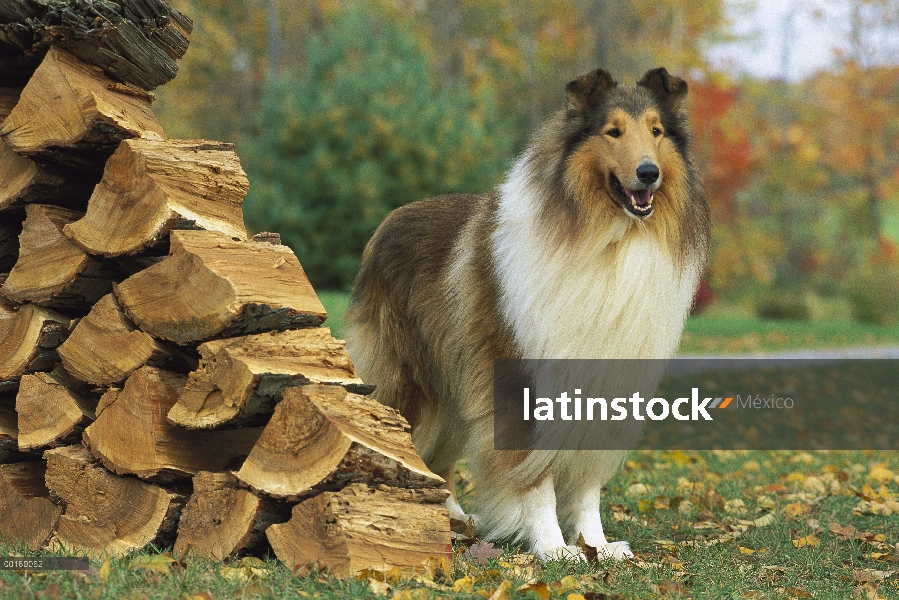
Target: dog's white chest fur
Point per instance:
(615, 294)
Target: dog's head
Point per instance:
(626, 142)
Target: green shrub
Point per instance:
(874, 295)
(783, 305)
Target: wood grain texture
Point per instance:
(27, 515)
(106, 347)
(239, 378)
(73, 117)
(363, 527)
(136, 41)
(321, 437)
(214, 286)
(221, 519)
(50, 410)
(51, 270)
(105, 513)
(148, 186)
(24, 182)
(131, 435)
(29, 335)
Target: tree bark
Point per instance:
(29, 335)
(242, 378)
(213, 286)
(321, 437)
(221, 519)
(27, 515)
(105, 513)
(362, 527)
(132, 437)
(150, 185)
(137, 41)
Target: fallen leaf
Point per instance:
(159, 563)
(747, 551)
(482, 551)
(765, 520)
(464, 583)
(809, 540)
(379, 588)
(844, 533)
(797, 509)
(540, 588)
(797, 592)
(105, 570)
(502, 592)
(880, 473)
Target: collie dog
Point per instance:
(592, 247)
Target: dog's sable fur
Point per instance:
(591, 248)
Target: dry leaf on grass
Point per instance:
(483, 551)
(809, 540)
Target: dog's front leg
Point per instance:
(587, 523)
(541, 524)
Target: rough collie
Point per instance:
(591, 248)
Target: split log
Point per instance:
(242, 377)
(27, 515)
(51, 270)
(105, 513)
(321, 437)
(51, 410)
(364, 527)
(221, 519)
(213, 286)
(72, 116)
(132, 436)
(9, 97)
(25, 182)
(150, 185)
(133, 41)
(106, 347)
(29, 335)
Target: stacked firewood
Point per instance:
(164, 378)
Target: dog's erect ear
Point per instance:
(585, 92)
(669, 91)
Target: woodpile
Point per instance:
(164, 376)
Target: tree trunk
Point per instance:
(51, 270)
(106, 347)
(29, 335)
(73, 117)
(321, 437)
(243, 377)
(132, 437)
(364, 527)
(137, 41)
(150, 185)
(213, 286)
(221, 519)
(105, 513)
(26, 513)
(50, 410)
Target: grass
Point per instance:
(722, 524)
(336, 304)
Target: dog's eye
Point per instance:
(656, 131)
(614, 132)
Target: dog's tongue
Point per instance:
(640, 196)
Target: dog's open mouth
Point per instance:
(636, 202)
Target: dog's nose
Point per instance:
(648, 173)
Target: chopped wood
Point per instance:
(131, 435)
(105, 513)
(29, 335)
(214, 286)
(51, 270)
(25, 182)
(9, 97)
(27, 515)
(106, 347)
(69, 117)
(137, 41)
(241, 377)
(51, 409)
(267, 237)
(321, 437)
(221, 519)
(150, 185)
(362, 527)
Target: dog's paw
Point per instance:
(560, 553)
(616, 550)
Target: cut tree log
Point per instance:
(321, 437)
(29, 335)
(105, 513)
(73, 117)
(137, 41)
(362, 527)
(150, 185)
(240, 378)
(27, 515)
(132, 437)
(24, 182)
(51, 410)
(106, 347)
(221, 520)
(9, 97)
(214, 286)
(51, 270)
